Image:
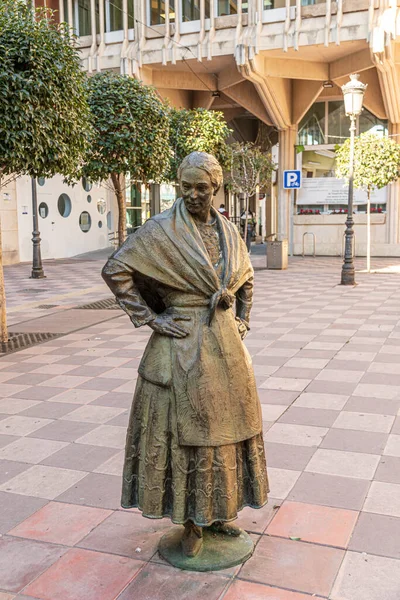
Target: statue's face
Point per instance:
(197, 190)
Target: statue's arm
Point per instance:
(120, 279)
(244, 301)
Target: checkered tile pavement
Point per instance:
(327, 362)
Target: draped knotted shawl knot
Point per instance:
(222, 298)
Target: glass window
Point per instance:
(82, 17)
(100, 224)
(227, 7)
(86, 184)
(157, 12)
(191, 10)
(101, 206)
(114, 15)
(43, 210)
(41, 180)
(312, 126)
(338, 123)
(85, 221)
(89, 198)
(368, 122)
(318, 163)
(64, 205)
(109, 220)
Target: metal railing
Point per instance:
(314, 242)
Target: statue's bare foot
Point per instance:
(192, 539)
(227, 528)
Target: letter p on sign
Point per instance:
(291, 180)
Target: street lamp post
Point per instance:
(37, 266)
(353, 92)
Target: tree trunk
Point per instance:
(246, 208)
(116, 180)
(3, 313)
(368, 230)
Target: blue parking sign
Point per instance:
(291, 180)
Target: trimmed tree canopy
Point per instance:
(43, 111)
(130, 129)
(198, 130)
(376, 161)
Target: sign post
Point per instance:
(291, 181)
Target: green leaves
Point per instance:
(376, 161)
(43, 109)
(130, 129)
(198, 130)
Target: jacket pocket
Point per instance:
(155, 365)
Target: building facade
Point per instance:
(274, 68)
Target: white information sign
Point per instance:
(329, 190)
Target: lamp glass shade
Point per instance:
(353, 92)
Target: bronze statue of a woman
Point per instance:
(194, 448)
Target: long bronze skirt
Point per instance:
(201, 484)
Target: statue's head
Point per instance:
(200, 177)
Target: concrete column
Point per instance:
(287, 141)
(393, 199)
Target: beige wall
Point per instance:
(9, 224)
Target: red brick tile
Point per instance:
(84, 575)
(21, 561)
(247, 590)
(295, 565)
(314, 523)
(159, 582)
(61, 523)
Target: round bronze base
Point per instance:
(219, 550)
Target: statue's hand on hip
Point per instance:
(169, 325)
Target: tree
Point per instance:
(376, 164)
(198, 130)
(130, 128)
(43, 110)
(249, 168)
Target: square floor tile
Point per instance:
(331, 387)
(66, 431)
(116, 399)
(21, 561)
(113, 466)
(68, 578)
(380, 406)
(272, 412)
(65, 381)
(80, 457)
(309, 416)
(338, 375)
(388, 470)
(15, 508)
(383, 498)
(328, 490)
(276, 397)
(93, 414)
(294, 565)
(322, 401)
(367, 578)
(368, 390)
(281, 481)
(314, 523)
(30, 450)
(65, 524)
(77, 396)
(349, 440)
(9, 469)
(162, 582)
(255, 520)
(105, 435)
(13, 406)
(392, 447)
(285, 383)
(42, 482)
(48, 410)
(377, 534)
(17, 425)
(124, 532)
(298, 435)
(39, 393)
(247, 590)
(8, 389)
(343, 464)
(364, 422)
(103, 491)
(285, 456)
